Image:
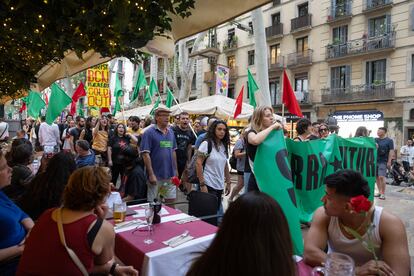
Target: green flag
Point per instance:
(117, 93)
(59, 100)
(141, 83)
(272, 172)
(311, 161)
(170, 98)
(151, 92)
(35, 104)
(156, 104)
(253, 87)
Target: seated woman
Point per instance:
(46, 188)
(253, 239)
(346, 206)
(22, 156)
(85, 230)
(15, 225)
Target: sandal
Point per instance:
(382, 197)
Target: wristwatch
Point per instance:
(112, 270)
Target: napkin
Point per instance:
(186, 220)
(180, 241)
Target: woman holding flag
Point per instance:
(261, 125)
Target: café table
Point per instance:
(157, 258)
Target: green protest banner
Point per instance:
(311, 161)
(274, 177)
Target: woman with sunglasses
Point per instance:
(212, 155)
(323, 130)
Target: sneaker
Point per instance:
(377, 195)
(382, 197)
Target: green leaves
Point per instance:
(35, 32)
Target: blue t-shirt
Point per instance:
(160, 147)
(12, 232)
(200, 139)
(384, 147)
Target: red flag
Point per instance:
(23, 107)
(79, 92)
(239, 103)
(46, 99)
(289, 98)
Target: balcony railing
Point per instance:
(359, 93)
(274, 30)
(370, 5)
(361, 46)
(301, 22)
(299, 58)
(340, 11)
(230, 44)
(276, 63)
(303, 97)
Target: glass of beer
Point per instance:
(119, 211)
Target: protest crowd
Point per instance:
(65, 172)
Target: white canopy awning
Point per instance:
(141, 112)
(217, 105)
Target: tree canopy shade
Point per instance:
(35, 32)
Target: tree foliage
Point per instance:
(35, 32)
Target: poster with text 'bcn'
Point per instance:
(97, 82)
(222, 80)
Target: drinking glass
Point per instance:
(336, 264)
(149, 216)
(119, 211)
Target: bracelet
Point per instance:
(112, 270)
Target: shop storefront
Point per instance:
(349, 121)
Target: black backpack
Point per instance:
(191, 169)
(233, 161)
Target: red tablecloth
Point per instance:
(131, 249)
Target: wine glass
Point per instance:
(149, 216)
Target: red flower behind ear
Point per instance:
(175, 180)
(360, 204)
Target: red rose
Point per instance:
(175, 180)
(360, 204)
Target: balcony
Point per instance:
(376, 5)
(303, 98)
(361, 46)
(276, 63)
(230, 45)
(301, 23)
(299, 59)
(234, 72)
(340, 12)
(209, 76)
(359, 93)
(274, 31)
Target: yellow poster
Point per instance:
(97, 82)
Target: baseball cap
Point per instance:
(161, 108)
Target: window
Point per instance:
(340, 34)
(194, 82)
(303, 9)
(301, 82)
(379, 25)
(213, 41)
(274, 54)
(302, 44)
(251, 28)
(178, 82)
(376, 72)
(276, 18)
(412, 114)
(231, 61)
(247, 90)
(230, 34)
(412, 68)
(230, 91)
(120, 66)
(340, 77)
(160, 65)
(160, 85)
(250, 57)
(275, 96)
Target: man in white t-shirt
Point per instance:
(49, 136)
(407, 152)
(4, 131)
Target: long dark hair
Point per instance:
(211, 135)
(46, 189)
(88, 123)
(116, 129)
(253, 239)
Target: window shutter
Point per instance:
(388, 20)
(348, 76)
(412, 18)
(368, 73)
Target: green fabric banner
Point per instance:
(299, 168)
(273, 175)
